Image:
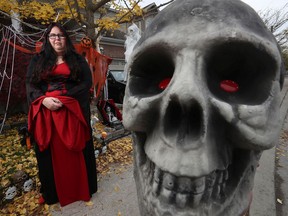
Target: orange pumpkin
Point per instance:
(86, 42)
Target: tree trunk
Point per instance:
(90, 29)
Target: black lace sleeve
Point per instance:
(33, 91)
(81, 90)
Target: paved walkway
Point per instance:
(116, 197)
(117, 192)
(264, 197)
(281, 172)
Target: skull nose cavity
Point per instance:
(183, 123)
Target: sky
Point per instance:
(257, 5)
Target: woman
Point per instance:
(58, 83)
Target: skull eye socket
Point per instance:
(151, 72)
(251, 68)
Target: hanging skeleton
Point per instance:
(202, 100)
(133, 35)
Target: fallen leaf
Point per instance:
(90, 203)
(116, 188)
(13, 157)
(54, 207)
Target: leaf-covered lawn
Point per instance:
(14, 157)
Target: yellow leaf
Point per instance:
(23, 211)
(54, 207)
(116, 188)
(90, 203)
(46, 207)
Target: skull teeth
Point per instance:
(167, 195)
(185, 191)
(168, 181)
(181, 200)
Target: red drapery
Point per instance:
(66, 132)
(98, 64)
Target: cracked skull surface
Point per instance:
(202, 100)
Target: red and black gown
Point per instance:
(64, 150)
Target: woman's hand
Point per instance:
(52, 103)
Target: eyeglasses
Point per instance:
(54, 36)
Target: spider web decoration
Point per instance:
(16, 50)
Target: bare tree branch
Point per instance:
(277, 22)
(129, 11)
(164, 4)
(78, 14)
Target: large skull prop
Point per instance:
(196, 145)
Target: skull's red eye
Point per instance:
(229, 86)
(164, 83)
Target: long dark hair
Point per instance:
(48, 57)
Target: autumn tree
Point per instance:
(82, 11)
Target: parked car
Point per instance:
(116, 85)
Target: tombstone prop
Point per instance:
(202, 100)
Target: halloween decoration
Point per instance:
(25, 136)
(133, 35)
(18, 179)
(86, 42)
(202, 100)
(20, 182)
(106, 137)
(10, 193)
(28, 185)
(110, 113)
